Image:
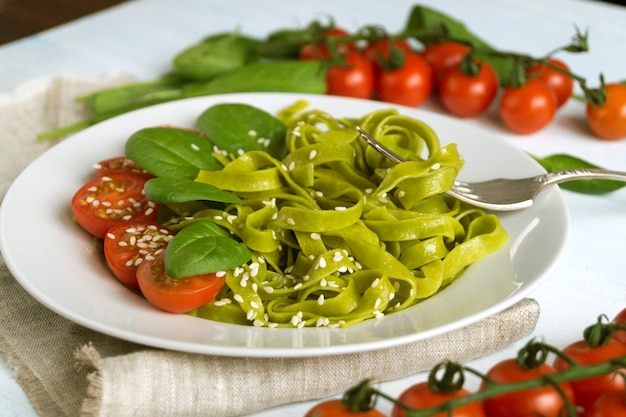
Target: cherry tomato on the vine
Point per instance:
(560, 83)
(545, 401)
(356, 79)
(608, 121)
(442, 56)
(529, 108)
(321, 51)
(381, 48)
(409, 85)
(110, 199)
(587, 390)
(337, 408)
(421, 396)
(176, 295)
(611, 404)
(467, 95)
(620, 335)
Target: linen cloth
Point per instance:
(67, 370)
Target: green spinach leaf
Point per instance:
(234, 126)
(171, 152)
(173, 190)
(203, 247)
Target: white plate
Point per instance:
(47, 253)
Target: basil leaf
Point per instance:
(173, 190)
(558, 162)
(425, 23)
(279, 76)
(234, 127)
(171, 152)
(215, 55)
(203, 247)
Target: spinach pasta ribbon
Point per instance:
(339, 233)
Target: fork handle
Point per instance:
(582, 174)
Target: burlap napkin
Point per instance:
(67, 370)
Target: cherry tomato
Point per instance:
(128, 244)
(120, 164)
(421, 396)
(467, 95)
(620, 335)
(107, 200)
(561, 84)
(611, 404)
(409, 85)
(336, 408)
(381, 48)
(608, 121)
(544, 401)
(442, 56)
(354, 80)
(321, 51)
(176, 295)
(587, 390)
(529, 108)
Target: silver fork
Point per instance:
(505, 193)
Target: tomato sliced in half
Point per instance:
(128, 244)
(120, 164)
(176, 295)
(110, 199)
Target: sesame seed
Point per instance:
(297, 286)
(322, 263)
(375, 282)
(290, 221)
(268, 289)
(238, 298)
(435, 166)
(258, 323)
(401, 194)
(195, 147)
(316, 236)
(251, 132)
(312, 154)
(320, 299)
(340, 208)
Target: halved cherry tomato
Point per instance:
(381, 49)
(444, 55)
(611, 404)
(466, 95)
(620, 335)
(321, 50)
(608, 121)
(588, 390)
(409, 85)
(544, 401)
(110, 199)
(176, 295)
(529, 108)
(356, 79)
(120, 164)
(421, 396)
(128, 244)
(337, 408)
(560, 83)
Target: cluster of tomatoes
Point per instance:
(465, 88)
(113, 208)
(594, 396)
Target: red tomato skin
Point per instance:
(409, 85)
(620, 335)
(178, 295)
(96, 219)
(125, 247)
(466, 95)
(529, 108)
(420, 396)
(610, 404)
(382, 47)
(608, 121)
(587, 390)
(561, 84)
(336, 408)
(321, 51)
(543, 401)
(120, 164)
(442, 56)
(356, 80)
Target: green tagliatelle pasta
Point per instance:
(340, 234)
